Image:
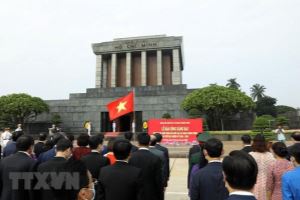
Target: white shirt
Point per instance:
(122, 161)
(217, 161)
(243, 193)
(143, 148)
(5, 137)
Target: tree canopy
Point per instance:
(233, 84)
(217, 102)
(266, 106)
(282, 109)
(257, 91)
(20, 108)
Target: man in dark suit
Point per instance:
(128, 136)
(120, 180)
(20, 162)
(40, 146)
(63, 153)
(240, 170)
(162, 157)
(247, 143)
(166, 153)
(94, 161)
(150, 165)
(208, 182)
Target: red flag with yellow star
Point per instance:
(121, 106)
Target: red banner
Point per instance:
(176, 130)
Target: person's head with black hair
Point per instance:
(153, 140)
(64, 148)
(42, 137)
(70, 137)
(16, 135)
(121, 149)
(57, 137)
(85, 189)
(280, 150)
(83, 140)
(246, 139)
(143, 139)
(295, 154)
(128, 135)
(25, 143)
(259, 143)
(95, 142)
(159, 137)
(240, 171)
(49, 144)
(213, 149)
(296, 136)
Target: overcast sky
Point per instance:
(45, 45)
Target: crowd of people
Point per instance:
(257, 171)
(60, 167)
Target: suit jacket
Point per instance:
(247, 149)
(48, 155)
(9, 149)
(291, 184)
(94, 161)
(196, 158)
(240, 197)
(166, 152)
(18, 162)
(53, 165)
(162, 157)
(120, 181)
(134, 149)
(39, 148)
(208, 183)
(151, 173)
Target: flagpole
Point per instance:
(133, 120)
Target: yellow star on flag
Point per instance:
(121, 106)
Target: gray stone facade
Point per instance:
(153, 101)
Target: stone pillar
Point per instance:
(159, 67)
(143, 68)
(128, 69)
(176, 73)
(113, 70)
(98, 71)
(104, 73)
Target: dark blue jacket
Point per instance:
(208, 183)
(47, 155)
(240, 197)
(9, 149)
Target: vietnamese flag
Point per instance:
(121, 106)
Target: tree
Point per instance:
(266, 106)
(217, 102)
(282, 109)
(20, 108)
(166, 116)
(233, 84)
(56, 119)
(257, 91)
(282, 121)
(263, 125)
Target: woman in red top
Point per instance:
(82, 149)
